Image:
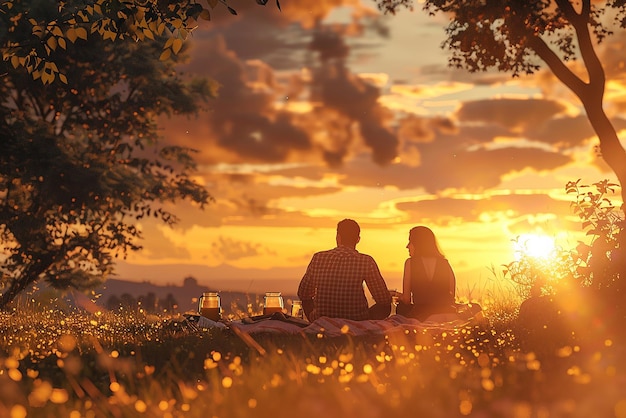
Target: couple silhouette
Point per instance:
(332, 285)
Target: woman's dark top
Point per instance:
(438, 291)
(430, 295)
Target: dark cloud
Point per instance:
(281, 38)
(467, 155)
(243, 196)
(359, 171)
(329, 45)
(444, 211)
(535, 120)
(336, 87)
(445, 163)
(347, 128)
(510, 113)
(259, 36)
(229, 249)
(441, 211)
(413, 128)
(452, 167)
(564, 132)
(257, 137)
(472, 135)
(242, 123)
(383, 142)
(444, 124)
(445, 72)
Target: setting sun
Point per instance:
(535, 246)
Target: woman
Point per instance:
(428, 284)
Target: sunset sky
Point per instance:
(328, 110)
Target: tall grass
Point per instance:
(497, 295)
(124, 365)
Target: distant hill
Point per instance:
(186, 295)
(223, 277)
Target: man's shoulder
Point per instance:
(366, 256)
(330, 250)
(342, 251)
(324, 253)
(360, 254)
(366, 259)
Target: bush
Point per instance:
(598, 264)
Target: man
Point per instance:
(333, 283)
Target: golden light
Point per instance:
(535, 246)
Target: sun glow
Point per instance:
(535, 246)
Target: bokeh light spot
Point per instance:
(620, 409)
(18, 411)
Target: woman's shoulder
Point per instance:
(432, 260)
(443, 260)
(428, 258)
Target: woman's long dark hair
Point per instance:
(424, 242)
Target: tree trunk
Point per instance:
(16, 287)
(29, 276)
(612, 151)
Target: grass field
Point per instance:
(126, 365)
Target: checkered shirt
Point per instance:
(334, 280)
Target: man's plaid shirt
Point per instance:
(334, 280)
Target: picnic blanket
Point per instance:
(333, 327)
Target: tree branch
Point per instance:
(597, 77)
(567, 8)
(558, 68)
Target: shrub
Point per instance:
(598, 263)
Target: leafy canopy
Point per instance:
(30, 35)
(81, 164)
(501, 34)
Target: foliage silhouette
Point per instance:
(81, 163)
(31, 35)
(594, 264)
